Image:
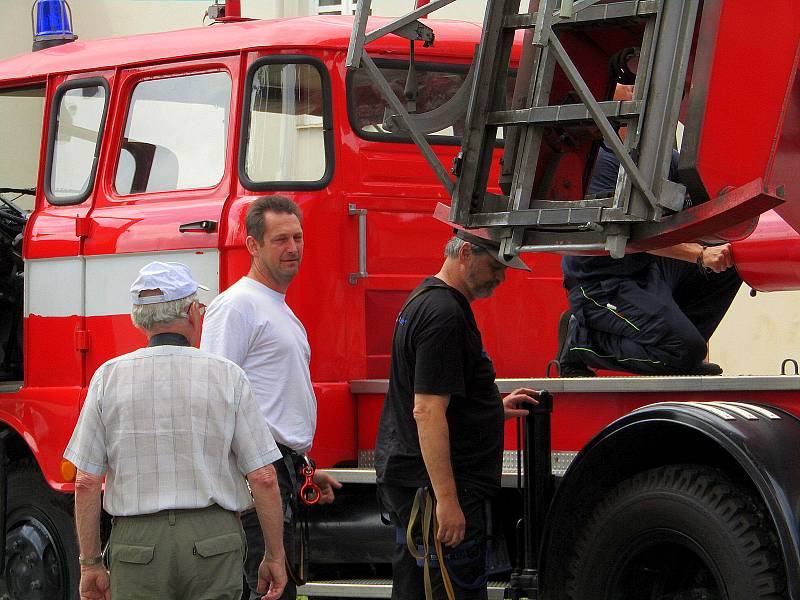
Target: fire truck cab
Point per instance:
(119, 152)
(152, 147)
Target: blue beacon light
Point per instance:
(50, 20)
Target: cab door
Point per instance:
(76, 112)
(165, 181)
(77, 118)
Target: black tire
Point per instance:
(41, 544)
(677, 533)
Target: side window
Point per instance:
(76, 130)
(175, 134)
(286, 125)
(435, 85)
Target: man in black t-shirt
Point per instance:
(442, 422)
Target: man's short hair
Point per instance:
(254, 221)
(147, 316)
(454, 245)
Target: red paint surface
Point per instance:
(769, 260)
(749, 79)
(349, 326)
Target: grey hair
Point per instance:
(147, 316)
(454, 245)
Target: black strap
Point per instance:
(419, 291)
(297, 573)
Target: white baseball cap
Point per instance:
(172, 279)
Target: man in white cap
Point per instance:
(175, 431)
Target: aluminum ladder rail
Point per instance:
(524, 223)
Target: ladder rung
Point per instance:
(626, 9)
(563, 113)
(539, 217)
(370, 588)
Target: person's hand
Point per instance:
(718, 258)
(327, 483)
(271, 578)
(95, 583)
(451, 522)
(512, 403)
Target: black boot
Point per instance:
(706, 368)
(569, 363)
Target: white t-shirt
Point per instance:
(251, 325)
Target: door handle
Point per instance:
(361, 213)
(198, 227)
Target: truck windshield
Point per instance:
(22, 113)
(20, 140)
(175, 134)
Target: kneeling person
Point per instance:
(650, 313)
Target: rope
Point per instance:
(429, 524)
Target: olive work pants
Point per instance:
(177, 555)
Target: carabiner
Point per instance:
(309, 491)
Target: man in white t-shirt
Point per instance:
(251, 325)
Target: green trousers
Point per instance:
(177, 555)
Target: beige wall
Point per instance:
(759, 333)
(464, 10)
(94, 19)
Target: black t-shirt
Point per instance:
(583, 269)
(437, 349)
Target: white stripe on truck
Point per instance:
(54, 287)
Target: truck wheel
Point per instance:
(41, 544)
(679, 532)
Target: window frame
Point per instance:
(344, 7)
(327, 125)
(55, 107)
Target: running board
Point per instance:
(370, 588)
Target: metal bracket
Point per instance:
(416, 31)
(672, 196)
(361, 213)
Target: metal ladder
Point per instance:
(522, 222)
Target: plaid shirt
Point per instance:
(171, 427)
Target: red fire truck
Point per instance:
(153, 146)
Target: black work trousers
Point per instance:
(255, 537)
(656, 323)
(466, 563)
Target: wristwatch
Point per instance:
(89, 561)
